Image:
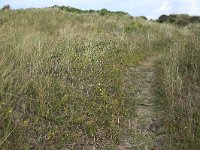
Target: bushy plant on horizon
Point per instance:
(6, 7)
(102, 12)
(179, 19)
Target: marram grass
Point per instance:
(62, 76)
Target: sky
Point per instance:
(152, 9)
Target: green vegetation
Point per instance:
(62, 78)
(143, 17)
(179, 19)
(179, 88)
(137, 27)
(101, 12)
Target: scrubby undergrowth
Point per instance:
(62, 76)
(178, 90)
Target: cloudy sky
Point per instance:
(148, 8)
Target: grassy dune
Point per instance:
(62, 78)
(179, 90)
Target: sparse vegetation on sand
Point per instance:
(63, 78)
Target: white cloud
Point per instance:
(191, 7)
(165, 7)
(194, 7)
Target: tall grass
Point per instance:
(179, 90)
(62, 76)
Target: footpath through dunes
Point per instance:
(143, 121)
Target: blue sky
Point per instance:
(148, 8)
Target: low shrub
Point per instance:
(179, 19)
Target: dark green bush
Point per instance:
(162, 18)
(91, 11)
(121, 13)
(103, 12)
(194, 19)
(182, 22)
(178, 19)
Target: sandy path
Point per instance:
(143, 122)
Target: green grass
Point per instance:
(62, 75)
(178, 91)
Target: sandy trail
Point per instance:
(143, 122)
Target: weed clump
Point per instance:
(135, 27)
